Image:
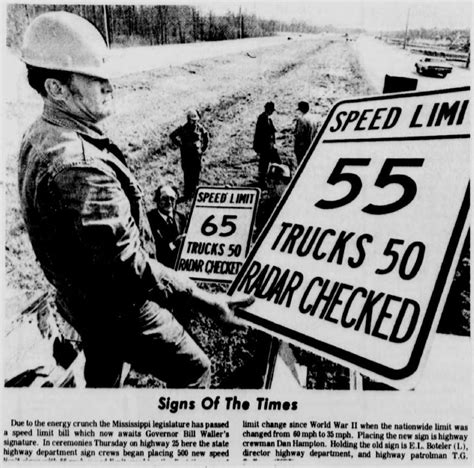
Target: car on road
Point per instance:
(433, 66)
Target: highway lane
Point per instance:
(128, 60)
(379, 59)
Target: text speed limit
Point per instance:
(218, 234)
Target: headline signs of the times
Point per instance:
(355, 260)
(218, 233)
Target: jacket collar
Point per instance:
(56, 115)
(164, 216)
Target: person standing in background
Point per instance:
(264, 142)
(306, 128)
(192, 139)
(167, 224)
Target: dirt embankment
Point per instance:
(230, 93)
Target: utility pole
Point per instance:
(241, 24)
(406, 30)
(106, 27)
(468, 60)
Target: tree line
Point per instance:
(128, 25)
(454, 38)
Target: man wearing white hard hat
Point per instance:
(87, 223)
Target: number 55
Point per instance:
(384, 178)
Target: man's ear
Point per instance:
(56, 90)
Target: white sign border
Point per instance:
(438, 295)
(250, 232)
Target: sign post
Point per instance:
(218, 234)
(355, 259)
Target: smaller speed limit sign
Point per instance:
(219, 233)
(355, 260)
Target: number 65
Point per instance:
(209, 228)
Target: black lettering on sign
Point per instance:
(352, 261)
(385, 178)
(222, 267)
(271, 283)
(392, 118)
(407, 327)
(205, 248)
(379, 314)
(317, 254)
(212, 197)
(377, 116)
(357, 121)
(243, 198)
(347, 322)
(322, 244)
(409, 261)
(440, 113)
(190, 264)
(447, 112)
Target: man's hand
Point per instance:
(226, 306)
(217, 305)
(221, 306)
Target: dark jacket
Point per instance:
(191, 139)
(85, 217)
(306, 128)
(264, 137)
(166, 234)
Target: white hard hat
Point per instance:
(63, 41)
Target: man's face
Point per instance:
(192, 119)
(167, 201)
(90, 97)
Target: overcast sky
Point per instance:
(370, 15)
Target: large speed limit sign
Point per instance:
(356, 259)
(219, 233)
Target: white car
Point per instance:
(433, 66)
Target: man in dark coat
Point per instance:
(85, 216)
(264, 142)
(167, 224)
(192, 139)
(306, 128)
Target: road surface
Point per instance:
(379, 59)
(137, 59)
(128, 60)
